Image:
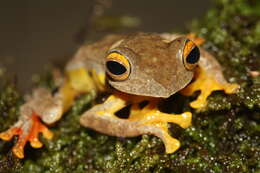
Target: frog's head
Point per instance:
(146, 65)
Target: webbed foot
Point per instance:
(27, 130)
(41, 105)
(152, 121)
(206, 84)
(150, 114)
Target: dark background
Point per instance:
(34, 34)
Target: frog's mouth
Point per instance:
(151, 87)
(148, 88)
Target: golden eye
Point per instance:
(191, 55)
(117, 66)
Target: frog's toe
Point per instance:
(197, 104)
(161, 130)
(201, 101)
(186, 119)
(155, 116)
(27, 131)
(191, 88)
(38, 127)
(230, 88)
(18, 149)
(8, 134)
(171, 144)
(183, 120)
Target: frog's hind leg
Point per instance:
(206, 84)
(48, 107)
(29, 124)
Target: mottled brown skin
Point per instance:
(157, 67)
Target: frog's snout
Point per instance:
(149, 88)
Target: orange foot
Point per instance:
(27, 130)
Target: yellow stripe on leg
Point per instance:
(80, 80)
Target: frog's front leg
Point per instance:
(102, 117)
(150, 114)
(208, 78)
(152, 121)
(108, 109)
(148, 120)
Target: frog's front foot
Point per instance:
(206, 84)
(27, 128)
(150, 115)
(148, 120)
(151, 121)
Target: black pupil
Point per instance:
(115, 68)
(194, 56)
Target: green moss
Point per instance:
(10, 100)
(224, 136)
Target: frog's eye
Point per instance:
(191, 55)
(117, 66)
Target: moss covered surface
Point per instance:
(224, 136)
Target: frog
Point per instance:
(132, 69)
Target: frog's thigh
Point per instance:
(206, 84)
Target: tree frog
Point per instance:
(133, 68)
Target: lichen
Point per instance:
(224, 136)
